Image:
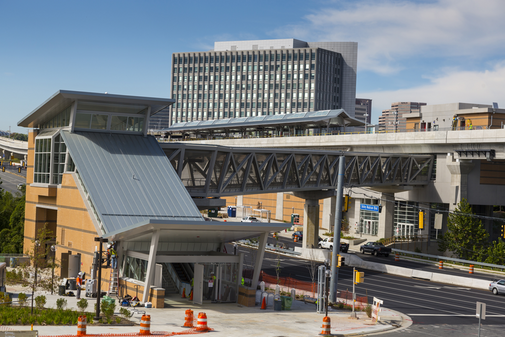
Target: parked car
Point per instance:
(20, 186)
(375, 248)
(300, 235)
(497, 287)
(250, 219)
(328, 244)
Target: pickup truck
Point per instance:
(328, 244)
(375, 248)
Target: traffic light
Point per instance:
(421, 219)
(340, 260)
(347, 199)
(360, 277)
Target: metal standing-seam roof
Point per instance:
(129, 179)
(337, 117)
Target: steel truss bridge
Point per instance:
(215, 171)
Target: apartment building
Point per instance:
(395, 118)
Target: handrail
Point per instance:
(178, 283)
(438, 257)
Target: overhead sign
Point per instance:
(372, 208)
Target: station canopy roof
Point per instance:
(313, 119)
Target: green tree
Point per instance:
(12, 217)
(40, 265)
(465, 236)
(495, 252)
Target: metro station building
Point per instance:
(93, 172)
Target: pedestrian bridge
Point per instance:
(211, 171)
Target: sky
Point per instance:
(432, 51)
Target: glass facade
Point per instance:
(406, 219)
(60, 120)
(368, 220)
(50, 158)
(134, 268)
(113, 117)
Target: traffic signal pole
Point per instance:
(337, 228)
(99, 281)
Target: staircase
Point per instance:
(113, 282)
(167, 282)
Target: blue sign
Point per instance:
(372, 208)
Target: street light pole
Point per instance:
(99, 266)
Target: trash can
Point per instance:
(61, 290)
(277, 305)
(233, 212)
(286, 302)
(212, 213)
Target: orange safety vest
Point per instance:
(79, 281)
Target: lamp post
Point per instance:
(53, 250)
(99, 281)
(366, 122)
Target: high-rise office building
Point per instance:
(263, 77)
(394, 119)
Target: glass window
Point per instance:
(82, 121)
(99, 122)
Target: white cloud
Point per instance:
(482, 87)
(389, 31)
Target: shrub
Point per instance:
(118, 320)
(126, 313)
(22, 298)
(40, 301)
(82, 304)
(107, 308)
(368, 311)
(61, 303)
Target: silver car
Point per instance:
(249, 219)
(497, 287)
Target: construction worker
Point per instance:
(113, 257)
(210, 284)
(78, 282)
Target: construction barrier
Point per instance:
(470, 270)
(145, 325)
(326, 326)
(263, 303)
(441, 265)
(81, 326)
(188, 321)
(397, 257)
(201, 324)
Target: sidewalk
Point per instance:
(231, 319)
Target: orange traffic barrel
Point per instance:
(397, 256)
(81, 326)
(441, 265)
(470, 270)
(188, 321)
(201, 323)
(326, 326)
(145, 325)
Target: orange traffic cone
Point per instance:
(191, 295)
(183, 292)
(263, 304)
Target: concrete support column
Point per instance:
(279, 207)
(310, 223)
(386, 217)
(151, 263)
(259, 260)
(329, 205)
(459, 168)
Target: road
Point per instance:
(11, 179)
(427, 303)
